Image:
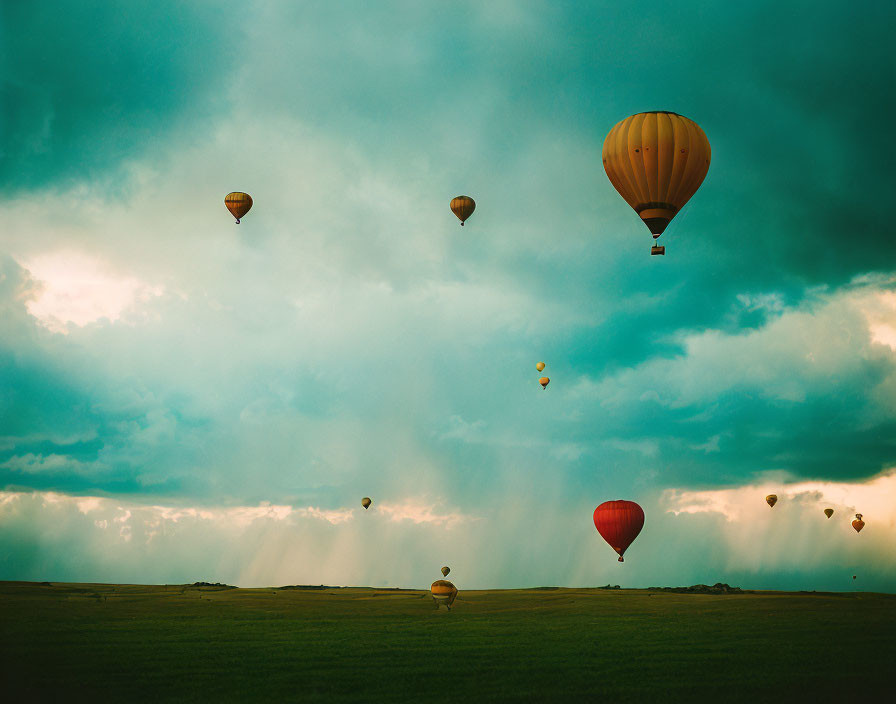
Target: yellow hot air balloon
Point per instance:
(657, 161)
(544, 381)
(829, 512)
(771, 499)
(858, 524)
(540, 366)
(445, 570)
(444, 592)
(365, 502)
(463, 207)
(238, 204)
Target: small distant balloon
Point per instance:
(238, 204)
(544, 381)
(540, 366)
(858, 524)
(463, 207)
(445, 570)
(444, 592)
(771, 499)
(619, 523)
(853, 576)
(829, 512)
(365, 502)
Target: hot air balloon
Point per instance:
(540, 366)
(463, 207)
(656, 161)
(444, 592)
(365, 502)
(238, 204)
(829, 512)
(544, 381)
(853, 576)
(619, 523)
(858, 524)
(771, 499)
(445, 570)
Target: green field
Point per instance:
(154, 643)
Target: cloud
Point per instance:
(31, 463)
(809, 392)
(742, 504)
(76, 109)
(264, 544)
(421, 511)
(73, 288)
(795, 534)
(689, 537)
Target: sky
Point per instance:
(182, 399)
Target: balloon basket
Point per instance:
(658, 250)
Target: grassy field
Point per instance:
(155, 643)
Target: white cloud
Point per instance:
(823, 342)
(422, 511)
(77, 289)
(748, 536)
(875, 498)
(880, 310)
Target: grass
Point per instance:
(154, 643)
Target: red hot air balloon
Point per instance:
(619, 523)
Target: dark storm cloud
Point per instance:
(86, 85)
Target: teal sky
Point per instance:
(182, 399)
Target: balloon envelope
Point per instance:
(771, 499)
(656, 161)
(858, 524)
(445, 570)
(238, 204)
(540, 366)
(829, 512)
(463, 207)
(365, 502)
(619, 523)
(444, 592)
(544, 381)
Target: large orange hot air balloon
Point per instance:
(544, 381)
(444, 592)
(771, 500)
(858, 524)
(463, 207)
(829, 512)
(619, 523)
(238, 204)
(657, 161)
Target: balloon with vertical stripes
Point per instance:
(463, 207)
(238, 204)
(619, 523)
(657, 161)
